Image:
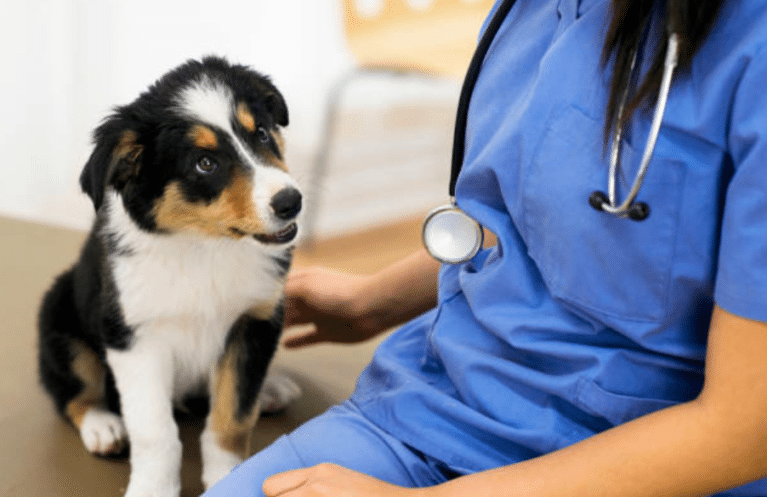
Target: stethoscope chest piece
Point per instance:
(450, 235)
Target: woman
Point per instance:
(569, 358)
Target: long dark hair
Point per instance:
(691, 19)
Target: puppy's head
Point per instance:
(200, 151)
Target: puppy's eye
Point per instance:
(206, 165)
(263, 135)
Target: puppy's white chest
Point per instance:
(210, 281)
(181, 294)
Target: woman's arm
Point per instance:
(715, 442)
(349, 308)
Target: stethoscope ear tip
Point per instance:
(639, 211)
(598, 200)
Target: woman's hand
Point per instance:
(330, 480)
(346, 308)
(333, 302)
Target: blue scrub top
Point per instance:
(577, 321)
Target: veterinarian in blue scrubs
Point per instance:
(572, 355)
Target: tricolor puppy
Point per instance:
(178, 291)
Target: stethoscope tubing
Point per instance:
(442, 240)
(469, 82)
(671, 61)
(612, 207)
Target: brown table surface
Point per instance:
(41, 455)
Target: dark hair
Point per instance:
(691, 19)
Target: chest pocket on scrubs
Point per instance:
(591, 260)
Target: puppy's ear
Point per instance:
(115, 160)
(277, 107)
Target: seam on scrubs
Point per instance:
(292, 446)
(431, 353)
(740, 306)
(453, 460)
(614, 407)
(428, 464)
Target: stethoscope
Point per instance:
(451, 236)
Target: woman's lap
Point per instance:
(341, 436)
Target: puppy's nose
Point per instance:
(286, 203)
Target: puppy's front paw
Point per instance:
(278, 391)
(103, 432)
(152, 489)
(155, 482)
(155, 469)
(216, 461)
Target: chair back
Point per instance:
(435, 37)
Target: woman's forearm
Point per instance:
(677, 452)
(401, 291)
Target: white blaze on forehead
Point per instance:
(212, 102)
(209, 101)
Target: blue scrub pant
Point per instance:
(345, 437)
(342, 436)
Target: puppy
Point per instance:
(178, 290)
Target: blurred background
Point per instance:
(66, 63)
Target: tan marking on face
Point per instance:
(203, 137)
(240, 196)
(232, 214)
(88, 369)
(245, 117)
(231, 433)
(271, 158)
(280, 141)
